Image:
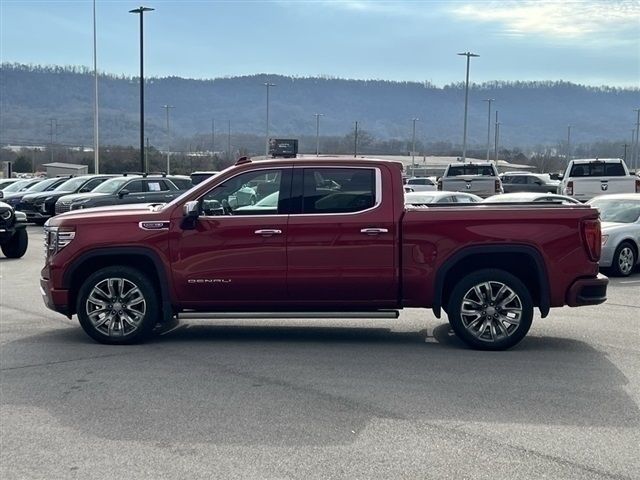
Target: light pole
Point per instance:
(637, 152)
(568, 142)
(166, 108)
(466, 102)
(140, 11)
(413, 145)
(496, 138)
(355, 142)
(229, 139)
(266, 137)
(633, 146)
(213, 137)
(318, 115)
(96, 154)
(489, 100)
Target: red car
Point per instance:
(338, 242)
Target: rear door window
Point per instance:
(338, 190)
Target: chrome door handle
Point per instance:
(374, 231)
(268, 232)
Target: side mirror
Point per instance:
(191, 212)
(123, 192)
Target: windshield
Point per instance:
(71, 185)
(16, 186)
(111, 186)
(455, 170)
(43, 185)
(620, 211)
(417, 199)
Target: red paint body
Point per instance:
(321, 262)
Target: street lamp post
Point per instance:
(318, 115)
(266, 137)
(166, 108)
(413, 144)
(96, 150)
(636, 159)
(140, 11)
(489, 100)
(568, 142)
(496, 138)
(355, 142)
(466, 102)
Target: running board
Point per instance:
(275, 315)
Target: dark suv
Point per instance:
(125, 190)
(528, 182)
(38, 207)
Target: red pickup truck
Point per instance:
(319, 238)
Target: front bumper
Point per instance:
(588, 291)
(55, 299)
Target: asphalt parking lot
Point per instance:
(317, 398)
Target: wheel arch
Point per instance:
(523, 261)
(144, 259)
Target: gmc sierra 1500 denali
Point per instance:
(322, 238)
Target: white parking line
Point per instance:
(631, 281)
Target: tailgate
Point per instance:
(482, 186)
(586, 188)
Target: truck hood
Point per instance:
(98, 214)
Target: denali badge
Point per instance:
(209, 280)
(604, 186)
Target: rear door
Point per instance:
(341, 239)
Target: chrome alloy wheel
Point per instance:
(116, 307)
(626, 260)
(491, 311)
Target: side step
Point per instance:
(275, 315)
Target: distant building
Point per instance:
(58, 169)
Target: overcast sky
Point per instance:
(587, 42)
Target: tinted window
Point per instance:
(597, 169)
(338, 190)
(135, 186)
(249, 193)
(182, 183)
(485, 170)
(420, 181)
(91, 184)
(515, 179)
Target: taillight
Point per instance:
(569, 188)
(591, 236)
(498, 187)
(637, 186)
(439, 184)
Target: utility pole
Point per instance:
(96, 143)
(146, 158)
(266, 137)
(355, 142)
(466, 103)
(624, 155)
(52, 121)
(495, 156)
(489, 100)
(213, 136)
(318, 115)
(568, 143)
(633, 146)
(229, 140)
(166, 109)
(413, 144)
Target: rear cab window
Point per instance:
(483, 170)
(598, 169)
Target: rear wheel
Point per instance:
(17, 245)
(118, 305)
(490, 310)
(624, 260)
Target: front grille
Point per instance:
(26, 207)
(62, 207)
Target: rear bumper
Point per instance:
(588, 291)
(54, 299)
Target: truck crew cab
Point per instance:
(328, 237)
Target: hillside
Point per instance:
(530, 112)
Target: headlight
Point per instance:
(56, 238)
(604, 240)
(6, 215)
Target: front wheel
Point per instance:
(17, 245)
(490, 310)
(118, 305)
(624, 260)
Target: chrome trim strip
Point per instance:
(289, 315)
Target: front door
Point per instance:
(235, 257)
(341, 240)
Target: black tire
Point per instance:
(501, 324)
(105, 326)
(624, 260)
(17, 245)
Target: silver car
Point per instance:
(620, 215)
